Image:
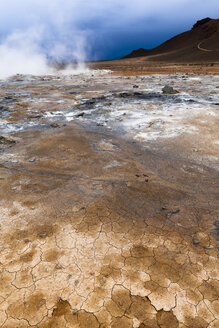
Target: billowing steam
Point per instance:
(36, 33)
(23, 52)
(48, 41)
(20, 53)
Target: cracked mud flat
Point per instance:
(109, 202)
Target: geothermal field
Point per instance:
(109, 200)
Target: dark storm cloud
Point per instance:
(100, 29)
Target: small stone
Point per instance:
(216, 224)
(6, 141)
(33, 159)
(169, 90)
(196, 242)
(42, 234)
(135, 86)
(54, 125)
(59, 266)
(173, 213)
(80, 114)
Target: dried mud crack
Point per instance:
(98, 232)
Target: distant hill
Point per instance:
(200, 44)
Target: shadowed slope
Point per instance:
(200, 44)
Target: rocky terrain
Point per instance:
(109, 201)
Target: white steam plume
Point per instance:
(36, 49)
(20, 54)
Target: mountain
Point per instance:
(200, 44)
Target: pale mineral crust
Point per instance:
(98, 231)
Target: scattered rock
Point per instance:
(139, 94)
(216, 224)
(169, 90)
(191, 101)
(35, 116)
(6, 141)
(215, 231)
(33, 159)
(59, 266)
(42, 234)
(196, 242)
(9, 100)
(135, 86)
(90, 102)
(55, 125)
(105, 146)
(4, 112)
(80, 114)
(124, 95)
(173, 213)
(114, 164)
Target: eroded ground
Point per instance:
(109, 205)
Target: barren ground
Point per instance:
(109, 202)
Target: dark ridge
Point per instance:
(201, 22)
(200, 44)
(138, 52)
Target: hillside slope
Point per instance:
(200, 44)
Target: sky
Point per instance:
(95, 29)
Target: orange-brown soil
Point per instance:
(97, 231)
(143, 66)
(89, 244)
